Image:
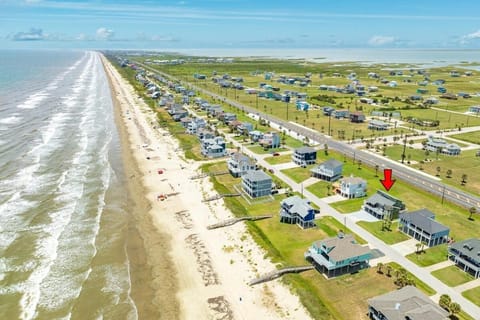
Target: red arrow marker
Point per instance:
(387, 181)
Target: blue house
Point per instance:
(295, 210)
(338, 255)
(330, 170)
(421, 225)
(302, 105)
(339, 114)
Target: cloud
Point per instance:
(469, 37)
(163, 38)
(380, 40)
(33, 35)
(104, 34)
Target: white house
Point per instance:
(353, 187)
(239, 164)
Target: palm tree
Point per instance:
(379, 267)
(376, 170)
(472, 211)
(359, 162)
(445, 301)
(438, 171)
(455, 308)
(464, 179)
(417, 246)
(449, 173)
(325, 146)
(389, 270)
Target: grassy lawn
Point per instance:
(260, 150)
(430, 256)
(389, 237)
(452, 276)
(418, 283)
(299, 174)
(348, 206)
(465, 163)
(284, 158)
(473, 137)
(321, 189)
(473, 295)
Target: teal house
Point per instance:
(338, 255)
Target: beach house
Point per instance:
(377, 125)
(304, 156)
(407, 303)
(421, 225)
(338, 255)
(466, 255)
(245, 127)
(353, 187)
(474, 109)
(257, 183)
(195, 125)
(330, 170)
(341, 114)
(270, 140)
(382, 204)
(239, 164)
(440, 145)
(357, 117)
(255, 135)
(295, 210)
(213, 147)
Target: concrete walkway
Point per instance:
(406, 247)
(467, 286)
(439, 265)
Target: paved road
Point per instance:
(400, 171)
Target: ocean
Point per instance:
(63, 209)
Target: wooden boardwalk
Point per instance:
(209, 174)
(278, 273)
(232, 221)
(220, 196)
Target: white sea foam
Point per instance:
(11, 120)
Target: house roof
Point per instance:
(304, 150)
(342, 248)
(353, 180)
(256, 175)
(331, 164)
(469, 248)
(407, 302)
(424, 219)
(239, 157)
(382, 199)
(298, 205)
(378, 122)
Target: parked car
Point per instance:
(270, 170)
(275, 154)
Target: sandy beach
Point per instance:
(181, 270)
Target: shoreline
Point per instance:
(208, 270)
(140, 232)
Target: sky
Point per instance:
(148, 24)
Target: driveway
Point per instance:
(361, 215)
(405, 247)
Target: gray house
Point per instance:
(338, 255)
(330, 170)
(466, 255)
(213, 148)
(239, 164)
(422, 226)
(257, 183)
(304, 156)
(381, 204)
(407, 303)
(297, 210)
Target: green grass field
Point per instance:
(473, 137)
(452, 276)
(321, 189)
(430, 256)
(389, 237)
(284, 158)
(473, 295)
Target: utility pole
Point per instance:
(404, 147)
(329, 119)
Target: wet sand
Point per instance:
(151, 271)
